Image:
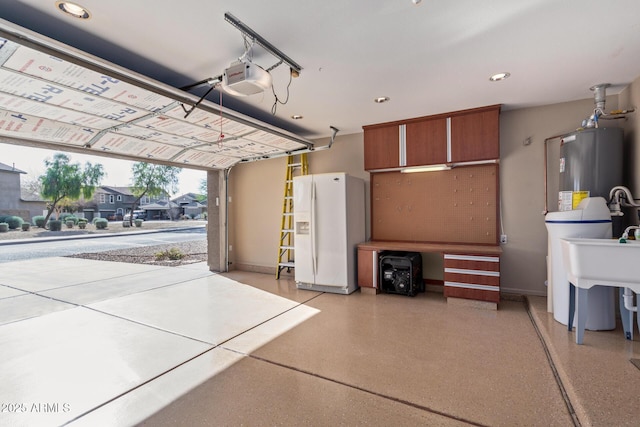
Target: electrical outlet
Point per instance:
(503, 238)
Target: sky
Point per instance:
(117, 172)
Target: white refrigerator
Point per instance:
(329, 218)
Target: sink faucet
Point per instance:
(625, 235)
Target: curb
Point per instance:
(94, 236)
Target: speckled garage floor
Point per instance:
(92, 343)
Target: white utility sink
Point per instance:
(603, 262)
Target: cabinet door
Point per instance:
(426, 142)
(475, 136)
(381, 147)
(367, 268)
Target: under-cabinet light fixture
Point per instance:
(431, 168)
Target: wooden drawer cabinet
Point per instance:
(470, 271)
(472, 276)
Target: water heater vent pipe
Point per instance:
(599, 99)
(600, 95)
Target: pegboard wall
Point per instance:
(454, 206)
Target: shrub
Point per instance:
(55, 225)
(69, 222)
(101, 223)
(38, 221)
(172, 254)
(68, 217)
(4, 227)
(137, 222)
(82, 224)
(95, 220)
(14, 222)
(26, 226)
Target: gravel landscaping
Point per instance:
(192, 251)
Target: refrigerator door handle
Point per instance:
(314, 258)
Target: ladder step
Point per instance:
(287, 230)
(287, 247)
(295, 165)
(288, 214)
(287, 264)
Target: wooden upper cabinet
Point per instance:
(475, 135)
(457, 137)
(381, 147)
(426, 142)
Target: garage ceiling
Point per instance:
(50, 94)
(428, 58)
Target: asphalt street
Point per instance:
(89, 244)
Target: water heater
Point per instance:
(590, 165)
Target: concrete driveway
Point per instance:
(102, 343)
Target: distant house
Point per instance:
(114, 202)
(188, 204)
(109, 202)
(160, 209)
(12, 200)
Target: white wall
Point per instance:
(630, 98)
(522, 174)
(257, 191)
(257, 188)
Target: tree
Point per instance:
(153, 181)
(31, 185)
(64, 180)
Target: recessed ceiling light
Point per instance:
(499, 76)
(381, 99)
(296, 116)
(73, 9)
